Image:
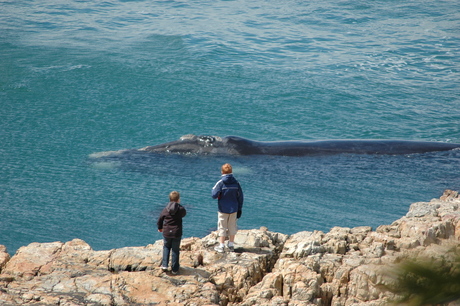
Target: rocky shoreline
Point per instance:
(346, 266)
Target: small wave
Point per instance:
(73, 67)
(63, 68)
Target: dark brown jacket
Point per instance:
(170, 220)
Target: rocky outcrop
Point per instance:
(346, 266)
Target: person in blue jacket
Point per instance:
(230, 198)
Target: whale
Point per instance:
(235, 145)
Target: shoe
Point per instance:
(219, 249)
(164, 269)
(231, 248)
(175, 272)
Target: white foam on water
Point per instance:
(241, 170)
(106, 154)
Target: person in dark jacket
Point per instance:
(230, 204)
(170, 224)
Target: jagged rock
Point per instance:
(28, 260)
(73, 273)
(350, 266)
(4, 257)
(346, 266)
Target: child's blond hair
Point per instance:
(174, 196)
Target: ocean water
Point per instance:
(81, 77)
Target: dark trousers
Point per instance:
(174, 245)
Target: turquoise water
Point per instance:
(80, 77)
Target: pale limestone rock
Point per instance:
(77, 275)
(134, 259)
(303, 244)
(28, 260)
(99, 299)
(352, 262)
(269, 287)
(449, 195)
(4, 257)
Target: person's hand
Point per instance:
(239, 213)
(160, 230)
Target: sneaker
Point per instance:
(219, 249)
(175, 272)
(164, 269)
(231, 248)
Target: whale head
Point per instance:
(190, 144)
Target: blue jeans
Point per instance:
(174, 245)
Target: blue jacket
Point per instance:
(229, 194)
